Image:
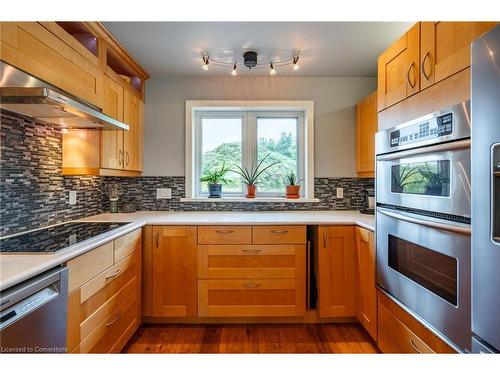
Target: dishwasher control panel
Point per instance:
(24, 307)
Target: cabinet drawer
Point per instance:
(127, 244)
(395, 337)
(251, 297)
(104, 336)
(89, 265)
(103, 279)
(399, 332)
(251, 261)
(98, 316)
(224, 234)
(283, 234)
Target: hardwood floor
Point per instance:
(251, 338)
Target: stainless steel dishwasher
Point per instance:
(33, 314)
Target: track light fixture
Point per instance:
(272, 71)
(249, 60)
(296, 66)
(205, 62)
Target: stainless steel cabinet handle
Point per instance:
(427, 222)
(324, 239)
(458, 145)
(410, 68)
(224, 231)
(414, 346)
(253, 251)
(113, 321)
(115, 274)
(120, 157)
(279, 231)
(426, 56)
(249, 285)
(158, 239)
(127, 158)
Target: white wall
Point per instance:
(334, 100)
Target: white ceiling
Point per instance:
(335, 49)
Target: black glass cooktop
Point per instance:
(52, 239)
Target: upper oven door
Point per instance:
(434, 178)
(425, 264)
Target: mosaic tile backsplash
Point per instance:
(142, 191)
(33, 193)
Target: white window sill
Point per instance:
(250, 200)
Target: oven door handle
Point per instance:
(426, 223)
(458, 145)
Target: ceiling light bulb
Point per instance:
(234, 72)
(272, 72)
(296, 66)
(205, 63)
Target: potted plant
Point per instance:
(215, 179)
(293, 187)
(251, 177)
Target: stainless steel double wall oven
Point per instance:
(423, 219)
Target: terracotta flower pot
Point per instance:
(251, 191)
(293, 192)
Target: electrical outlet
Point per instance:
(164, 193)
(340, 193)
(72, 197)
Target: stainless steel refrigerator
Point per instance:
(485, 102)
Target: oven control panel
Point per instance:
(429, 129)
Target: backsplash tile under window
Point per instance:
(142, 191)
(33, 193)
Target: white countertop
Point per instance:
(17, 268)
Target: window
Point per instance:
(243, 136)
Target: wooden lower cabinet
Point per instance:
(246, 271)
(335, 271)
(399, 332)
(251, 297)
(365, 276)
(171, 270)
(104, 310)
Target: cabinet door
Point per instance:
(366, 292)
(399, 68)
(445, 48)
(173, 268)
(133, 112)
(112, 140)
(366, 127)
(336, 271)
(62, 62)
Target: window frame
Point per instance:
(250, 111)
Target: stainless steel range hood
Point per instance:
(29, 96)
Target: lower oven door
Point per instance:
(425, 264)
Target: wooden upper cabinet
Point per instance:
(112, 140)
(445, 48)
(336, 271)
(365, 276)
(172, 271)
(133, 116)
(366, 127)
(46, 51)
(399, 69)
